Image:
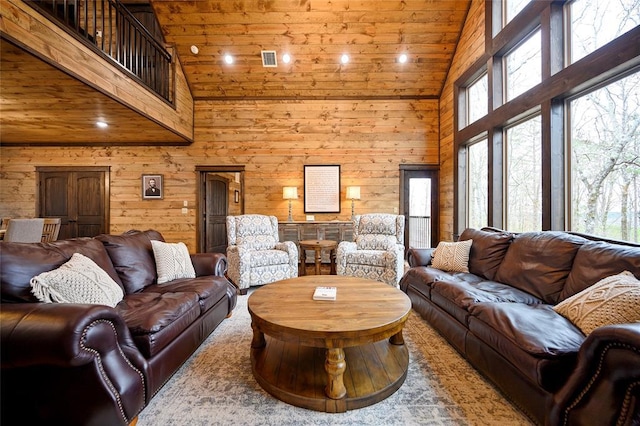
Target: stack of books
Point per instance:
(325, 293)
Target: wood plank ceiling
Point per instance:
(43, 105)
(315, 34)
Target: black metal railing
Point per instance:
(110, 27)
(419, 231)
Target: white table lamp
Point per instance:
(353, 193)
(290, 193)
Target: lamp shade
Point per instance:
(353, 192)
(289, 193)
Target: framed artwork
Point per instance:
(236, 196)
(322, 189)
(152, 187)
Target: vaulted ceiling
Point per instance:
(314, 33)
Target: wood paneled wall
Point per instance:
(273, 139)
(469, 50)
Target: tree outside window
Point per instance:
(524, 176)
(605, 160)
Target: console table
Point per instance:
(316, 230)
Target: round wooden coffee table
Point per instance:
(329, 355)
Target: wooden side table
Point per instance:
(317, 246)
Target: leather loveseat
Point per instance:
(500, 317)
(90, 364)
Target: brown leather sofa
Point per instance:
(499, 316)
(77, 364)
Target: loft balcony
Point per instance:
(112, 29)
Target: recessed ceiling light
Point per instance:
(102, 124)
(286, 58)
(228, 59)
(344, 58)
(194, 49)
(402, 58)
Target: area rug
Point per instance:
(216, 387)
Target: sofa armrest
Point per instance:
(209, 264)
(45, 345)
(606, 382)
(419, 257)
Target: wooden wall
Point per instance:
(273, 139)
(469, 50)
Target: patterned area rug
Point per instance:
(216, 387)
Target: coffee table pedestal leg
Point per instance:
(258, 340)
(397, 339)
(335, 366)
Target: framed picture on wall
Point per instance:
(322, 189)
(152, 187)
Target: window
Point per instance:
(512, 8)
(524, 176)
(477, 99)
(605, 160)
(594, 23)
(559, 146)
(523, 67)
(478, 186)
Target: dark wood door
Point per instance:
(79, 197)
(217, 202)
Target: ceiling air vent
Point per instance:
(269, 58)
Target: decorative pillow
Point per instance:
(612, 300)
(172, 261)
(452, 257)
(79, 280)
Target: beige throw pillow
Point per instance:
(452, 257)
(172, 261)
(612, 300)
(79, 280)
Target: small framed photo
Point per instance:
(152, 187)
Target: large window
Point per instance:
(523, 67)
(524, 177)
(594, 23)
(478, 178)
(567, 155)
(605, 160)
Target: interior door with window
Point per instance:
(419, 202)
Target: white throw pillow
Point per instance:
(452, 257)
(79, 280)
(612, 300)
(172, 261)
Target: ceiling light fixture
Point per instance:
(228, 59)
(194, 49)
(402, 58)
(344, 58)
(102, 124)
(286, 58)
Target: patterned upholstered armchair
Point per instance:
(254, 253)
(377, 252)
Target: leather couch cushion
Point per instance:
(597, 260)
(155, 319)
(487, 251)
(458, 293)
(539, 263)
(209, 289)
(19, 262)
(521, 333)
(132, 257)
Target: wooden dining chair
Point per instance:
(24, 230)
(51, 229)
